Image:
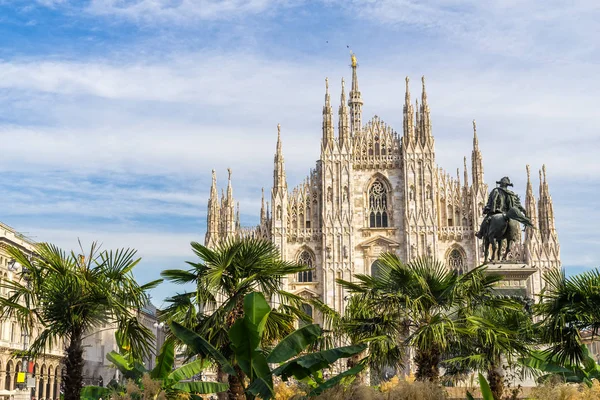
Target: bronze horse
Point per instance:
(501, 227)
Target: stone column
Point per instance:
(2, 379)
(56, 394)
(52, 383)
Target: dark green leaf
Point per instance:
(295, 343)
(200, 346)
(337, 379)
(188, 370)
(486, 392)
(164, 361)
(201, 387)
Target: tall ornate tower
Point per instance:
(279, 198)
(213, 216)
(336, 173)
(355, 102)
(418, 163)
(479, 192)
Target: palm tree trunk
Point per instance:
(427, 362)
(236, 389)
(223, 378)
(495, 378)
(73, 380)
(352, 362)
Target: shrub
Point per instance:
(554, 391)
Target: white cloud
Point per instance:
(175, 118)
(528, 29)
(178, 10)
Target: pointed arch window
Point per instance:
(378, 205)
(457, 262)
(307, 260)
(375, 269)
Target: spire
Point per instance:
(476, 161)
(355, 102)
(425, 115)
(237, 217)
(343, 125)
(546, 210)
(466, 173)
(213, 187)
(458, 177)
(327, 142)
(417, 118)
(263, 214)
(530, 202)
(409, 128)
(279, 180)
(229, 188)
(213, 215)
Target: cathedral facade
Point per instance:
(374, 190)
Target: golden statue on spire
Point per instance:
(353, 59)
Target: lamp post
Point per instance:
(14, 266)
(159, 327)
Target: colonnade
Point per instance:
(47, 379)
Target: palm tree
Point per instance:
(361, 324)
(71, 296)
(221, 279)
(496, 333)
(425, 299)
(568, 308)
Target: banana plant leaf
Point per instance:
(294, 343)
(188, 370)
(246, 335)
(200, 346)
(337, 379)
(201, 387)
(164, 361)
(486, 392)
(304, 366)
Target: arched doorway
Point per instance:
(376, 269)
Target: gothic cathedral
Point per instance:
(375, 191)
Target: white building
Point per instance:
(373, 191)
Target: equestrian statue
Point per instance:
(503, 212)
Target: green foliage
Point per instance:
(568, 307)
(486, 392)
(421, 302)
(171, 381)
(73, 294)
(246, 336)
(230, 271)
(551, 365)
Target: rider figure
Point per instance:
(501, 200)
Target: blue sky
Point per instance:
(114, 112)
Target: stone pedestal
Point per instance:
(22, 394)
